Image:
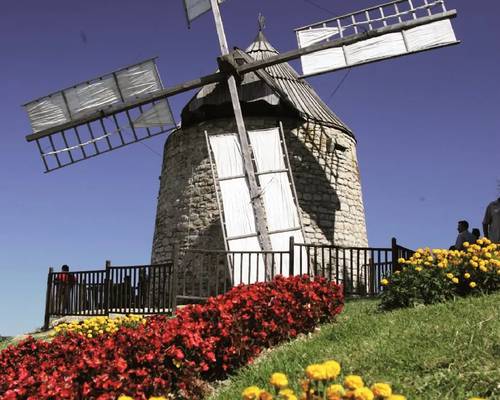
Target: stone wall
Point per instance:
(326, 175)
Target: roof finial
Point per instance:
(262, 22)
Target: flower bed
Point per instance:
(320, 384)
(169, 356)
(430, 276)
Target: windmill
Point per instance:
(252, 183)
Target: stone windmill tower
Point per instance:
(321, 153)
(289, 171)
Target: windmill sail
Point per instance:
(196, 8)
(79, 122)
(423, 25)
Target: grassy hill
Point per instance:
(447, 351)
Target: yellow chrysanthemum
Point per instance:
(384, 282)
(381, 389)
(123, 397)
(455, 280)
(353, 382)
(334, 392)
(363, 393)
(288, 394)
(472, 284)
(332, 368)
(466, 275)
(316, 372)
(449, 275)
(251, 393)
(396, 397)
(158, 398)
(279, 380)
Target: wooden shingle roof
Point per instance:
(277, 86)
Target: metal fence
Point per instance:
(195, 275)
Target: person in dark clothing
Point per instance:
(476, 233)
(463, 235)
(64, 283)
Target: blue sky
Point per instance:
(428, 130)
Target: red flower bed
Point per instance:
(166, 355)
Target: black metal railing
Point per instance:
(193, 275)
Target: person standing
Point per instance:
(463, 235)
(491, 221)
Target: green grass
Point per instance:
(447, 351)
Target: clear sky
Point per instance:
(427, 125)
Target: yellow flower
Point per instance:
(279, 380)
(455, 280)
(483, 268)
(466, 275)
(418, 269)
(288, 394)
(472, 285)
(384, 282)
(363, 393)
(353, 382)
(123, 397)
(334, 392)
(332, 369)
(381, 389)
(449, 275)
(401, 260)
(157, 398)
(396, 397)
(316, 372)
(466, 244)
(251, 393)
(476, 398)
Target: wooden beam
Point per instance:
(294, 54)
(114, 109)
(255, 194)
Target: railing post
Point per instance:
(395, 255)
(291, 256)
(175, 267)
(48, 300)
(107, 284)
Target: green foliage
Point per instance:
(446, 351)
(410, 288)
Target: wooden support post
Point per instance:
(107, 287)
(174, 283)
(395, 255)
(291, 256)
(255, 194)
(48, 299)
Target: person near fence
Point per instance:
(491, 221)
(463, 235)
(64, 282)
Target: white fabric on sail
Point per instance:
(311, 36)
(426, 36)
(195, 8)
(430, 35)
(324, 60)
(375, 48)
(227, 154)
(278, 199)
(158, 115)
(92, 96)
(138, 80)
(281, 210)
(266, 146)
(47, 112)
(280, 242)
(238, 210)
(246, 268)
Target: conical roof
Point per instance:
(276, 90)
